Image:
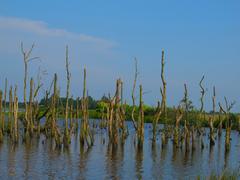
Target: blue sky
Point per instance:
(199, 37)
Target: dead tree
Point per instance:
(228, 124)
(212, 118)
(156, 118)
(140, 125)
(110, 116)
(1, 119)
(10, 111)
(164, 101)
(26, 59)
(85, 133)
(202, 94)
(186, 121)
(179, 114)
(67, 139)
(122, 114)
(117, 118)
(201, 110)
(163, 91)
(5, 105)
(51, 113)
(133, 95)
(161, 109)
(30, 109)
(37, 116)
(15, 113)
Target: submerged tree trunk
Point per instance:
(179, 115)
(155, 120)
(212, 119)
(85, 133)
(66, 138)
(15, 111)
(1, 119)
(122, 115)
(140, 132)
(228, 123)
(10, 112)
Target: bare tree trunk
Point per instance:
(187, 136)
(163, 91)
(5, 105)
(122, 114)
(10, 112)
(1, 119)
(179, 115)
(133, 95)
(26, 59)
(164, 101)
(77, 115)
(212, 119)
(141, 121)
(116, 120)
(15, 111)
(66, 133)
(85, 132)
(30, 108)
(155, 120)
(186, 122)
(201, 109)
(228, 123)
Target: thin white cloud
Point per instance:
(41, 28)
(97, 54)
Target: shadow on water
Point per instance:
(40, 159)
(139, 163)
(113, 161)
(83, 160)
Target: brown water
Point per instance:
(39, 159)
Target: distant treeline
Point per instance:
(98, 107)
(96, 110)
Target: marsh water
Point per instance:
(40, 160)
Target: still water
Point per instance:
(40, 160)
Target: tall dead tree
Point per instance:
(116, 120)
(179, 114)
(140, 125)
(36, 112)
(186, 122)
(133, 95)
(212, 118)
(1, 118)
(26, 59)
(10, 111)
(86, 135)
(30, 108)
(201, 109)
(163, 90)
(155, 120)
(15, 113)
(5, 104)
(122, 114)
(202, 94)
(51, 125)
(228, 125)
(67, 139)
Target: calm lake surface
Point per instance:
(40, 160)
